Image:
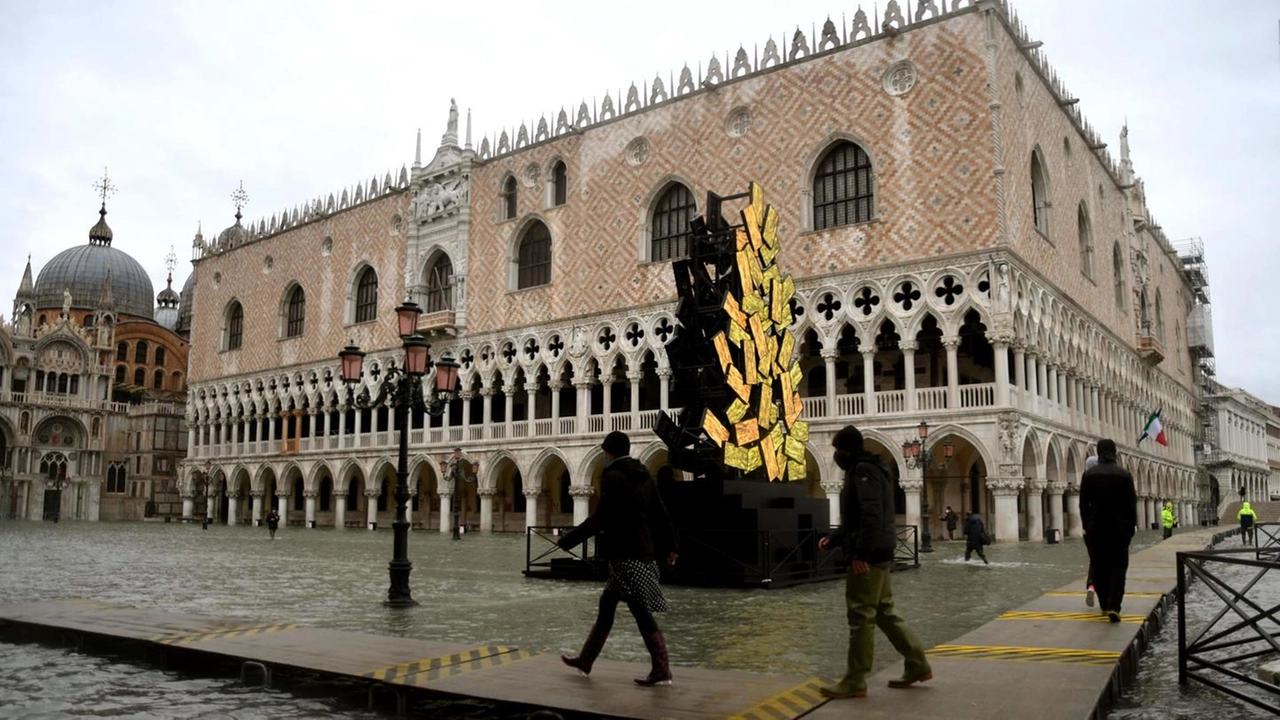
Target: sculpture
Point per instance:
(66, 303)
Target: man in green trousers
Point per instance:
(868, 537)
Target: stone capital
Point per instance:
(372, 494)
(255, 493)
(951, 342)
(1056, 488)
(908, 346)
(579, 491)
(533, 494)
(486, 492)
(911, 484)
(868, 352)
(445, 491)
(310, 494)
(1004, 486)
(832, 487)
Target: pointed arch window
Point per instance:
(1086, 241)
(158, 382)
(509, 198)
(842, 192)
(440, 285)
(160, 356)
(1117, 267)
(559, 184)
(1159, 316)
(1039, 194)
(140, 351)
(534, 257)
(670, 237)
(122, 352)
(367, 296)
(235, 326)
(296, 313)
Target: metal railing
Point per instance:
(907, 553)
(1243, 630)
(543, 557)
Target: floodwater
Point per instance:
(470, 591)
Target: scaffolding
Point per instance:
(1209, 455)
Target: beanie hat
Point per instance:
(616, 444)
(849, 439)
(1090, 462)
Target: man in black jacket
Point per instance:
(868, 536)
(629, 506)
(1109, 512)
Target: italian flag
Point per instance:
(1154, 429)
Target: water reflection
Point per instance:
(472, 591)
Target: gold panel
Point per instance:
(737, 333)
(786, 349)
(771, 226)
(757, 199)
(796, 376)
(746, 432)
(747, 261)
(796, 471)
(758, 337)
(752, 377)
(753, 304)
(770, 459)
(740, 238)
(737, 411)
(735, 312)
(800, 430)
(714, 428)
(737, 385)
(795, 407)
(752, 220)
(722, 350)
(768, 253)
(795, 449)
(768, 411)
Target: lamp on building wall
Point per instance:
(401, 389)
(457, 470)
(917, 456)
(57, 484)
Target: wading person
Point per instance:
(1248, 518)
(868, 537)
(1109, 510)
(629, 508)
(952, 520)
(273, 523)
(1168, 520)
(975, 536)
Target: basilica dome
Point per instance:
(81, 270)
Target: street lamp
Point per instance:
(458, 470)
(400, 390)
(58, 483)
(918, 456)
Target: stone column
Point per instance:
(832, 489)
(1019, 372)
(555, 387)
(1064, 396)
(371, 509)
(310, 497)
(486, 508)
(1051, 382)
(531, 507)
(581, 502)
(1075, 527)
(509, 408)
(282, 507)
(233, 507)
(912, 486)
(408, 507)
(829, 366)
(1056, 490)
(465, 397)
(869, 380)
(606, 383)
(257, 507)
(1035, 509)
(208, 504)
(339, 510)
(952, 344)
(1001, 348)
(584, 404)
(1142, 513)
(446, 510)
(664, 388)
(1153, 512)
(1006, 491)
(634, 379)
(188, 507)
(908, 348)
(486, 417)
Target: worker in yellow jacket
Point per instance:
(1168, 520)
(1248, 519)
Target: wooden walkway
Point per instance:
(1051, 658)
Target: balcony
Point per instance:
(443, 322)
(1150, 349)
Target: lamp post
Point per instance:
(400, 390)
(458, 470)
(57, 484)
(918, 456)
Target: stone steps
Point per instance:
(1267, 512)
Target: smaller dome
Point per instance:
(185, 301)
(167, 297)
(234, 236)
(100, 233)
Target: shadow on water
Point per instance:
(472, 591)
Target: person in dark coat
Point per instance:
(952, 520)
(868, 536)
(975, 536)
(1109, 511)
(630, 508)
(273, 523)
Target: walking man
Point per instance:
(1109, 510)
(975, 536)
(629, 506)
(1090, 592)
(951, 519)
(867, 536)
(273, 523)
(1168, 520)
(1248, 518)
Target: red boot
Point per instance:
(590, 651)
(660, 674)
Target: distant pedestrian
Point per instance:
(975, 536)
(1090, 592)
(1248, 523)
(630, 510)
(273, 523)
(868, 537)
(1109, 509)
(952, 520)
(1168, 520)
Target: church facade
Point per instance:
(967, 255)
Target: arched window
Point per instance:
(160, 356)
(1086, 241)
(158, 381)
(367, 296)
(353, 495)
(1117, 267)
(296, 313)
(509, 198)
(842, 192)
(326, 494)
(440, 285)
(559, 184)
(1159, 316)
(140, 377)
(534, 266)
(120, 371)
(1039, 194)
(235, 326)
(670, 238)
(140, 352)
(122, 352)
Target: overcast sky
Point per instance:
(182, 100)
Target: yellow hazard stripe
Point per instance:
(236, 632)
(1062, 593)
(390, 672)
(1049, 615)
(1069, 656)
(420, 679)
(790, 703)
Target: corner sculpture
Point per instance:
(733, 352)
